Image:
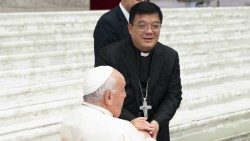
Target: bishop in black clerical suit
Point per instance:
(164, 86)
(151, 70)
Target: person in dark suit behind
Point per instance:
(151, 71)
(112, 26)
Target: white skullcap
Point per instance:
(94, 78)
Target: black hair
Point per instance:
(144, 8)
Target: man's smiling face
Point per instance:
(145, 31)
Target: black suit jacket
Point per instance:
(110, 28)
(164, 92)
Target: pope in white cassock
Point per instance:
(96, 119)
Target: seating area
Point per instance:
(43, 56)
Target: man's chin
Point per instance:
(148, 47)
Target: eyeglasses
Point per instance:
(145, 27)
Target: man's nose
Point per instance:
(149, 29)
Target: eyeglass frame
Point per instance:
(144, 27)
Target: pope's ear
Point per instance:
(108, 97)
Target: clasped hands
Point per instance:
(145, 127)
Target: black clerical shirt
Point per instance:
(143, 64)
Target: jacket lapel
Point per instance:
(122, 19)
(156, 67)
(129, 60)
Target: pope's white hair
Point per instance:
(96, 96)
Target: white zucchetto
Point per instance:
(94, 78)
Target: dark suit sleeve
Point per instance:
(105, 60)
(104, 34)
(126, 114)
(173, 97)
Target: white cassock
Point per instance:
(94, 123)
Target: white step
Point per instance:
(203, 29)
(208, 65)
(26, 47)
(214, 54)
(215, 94)
(24, 61)
(194, 44)
(30, 18)
(36, 36)
(21, 104)
(52, 88)
(32, 130)
(40, 75)
(215, 49)
(237, 130)
(214, 12)
(196, 41)
(87, 26)
(214, 77)
(197, 22)
(212, 121)
(37, 111)
(210, 35)
(239, 107)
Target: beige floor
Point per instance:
(14, 9)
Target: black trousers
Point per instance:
(163, 134)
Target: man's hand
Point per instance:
(142, 124)
(155, 130)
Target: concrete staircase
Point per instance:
(43, 55)
(214, 52)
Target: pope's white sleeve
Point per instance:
(65, 134)
(135, 135)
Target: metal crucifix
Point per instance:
(145, 107)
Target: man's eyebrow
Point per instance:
(141, 22)
(146, 22)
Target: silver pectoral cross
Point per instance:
(145, 107)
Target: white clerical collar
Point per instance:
(103, 110)
(124, 11)
(143, 54)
